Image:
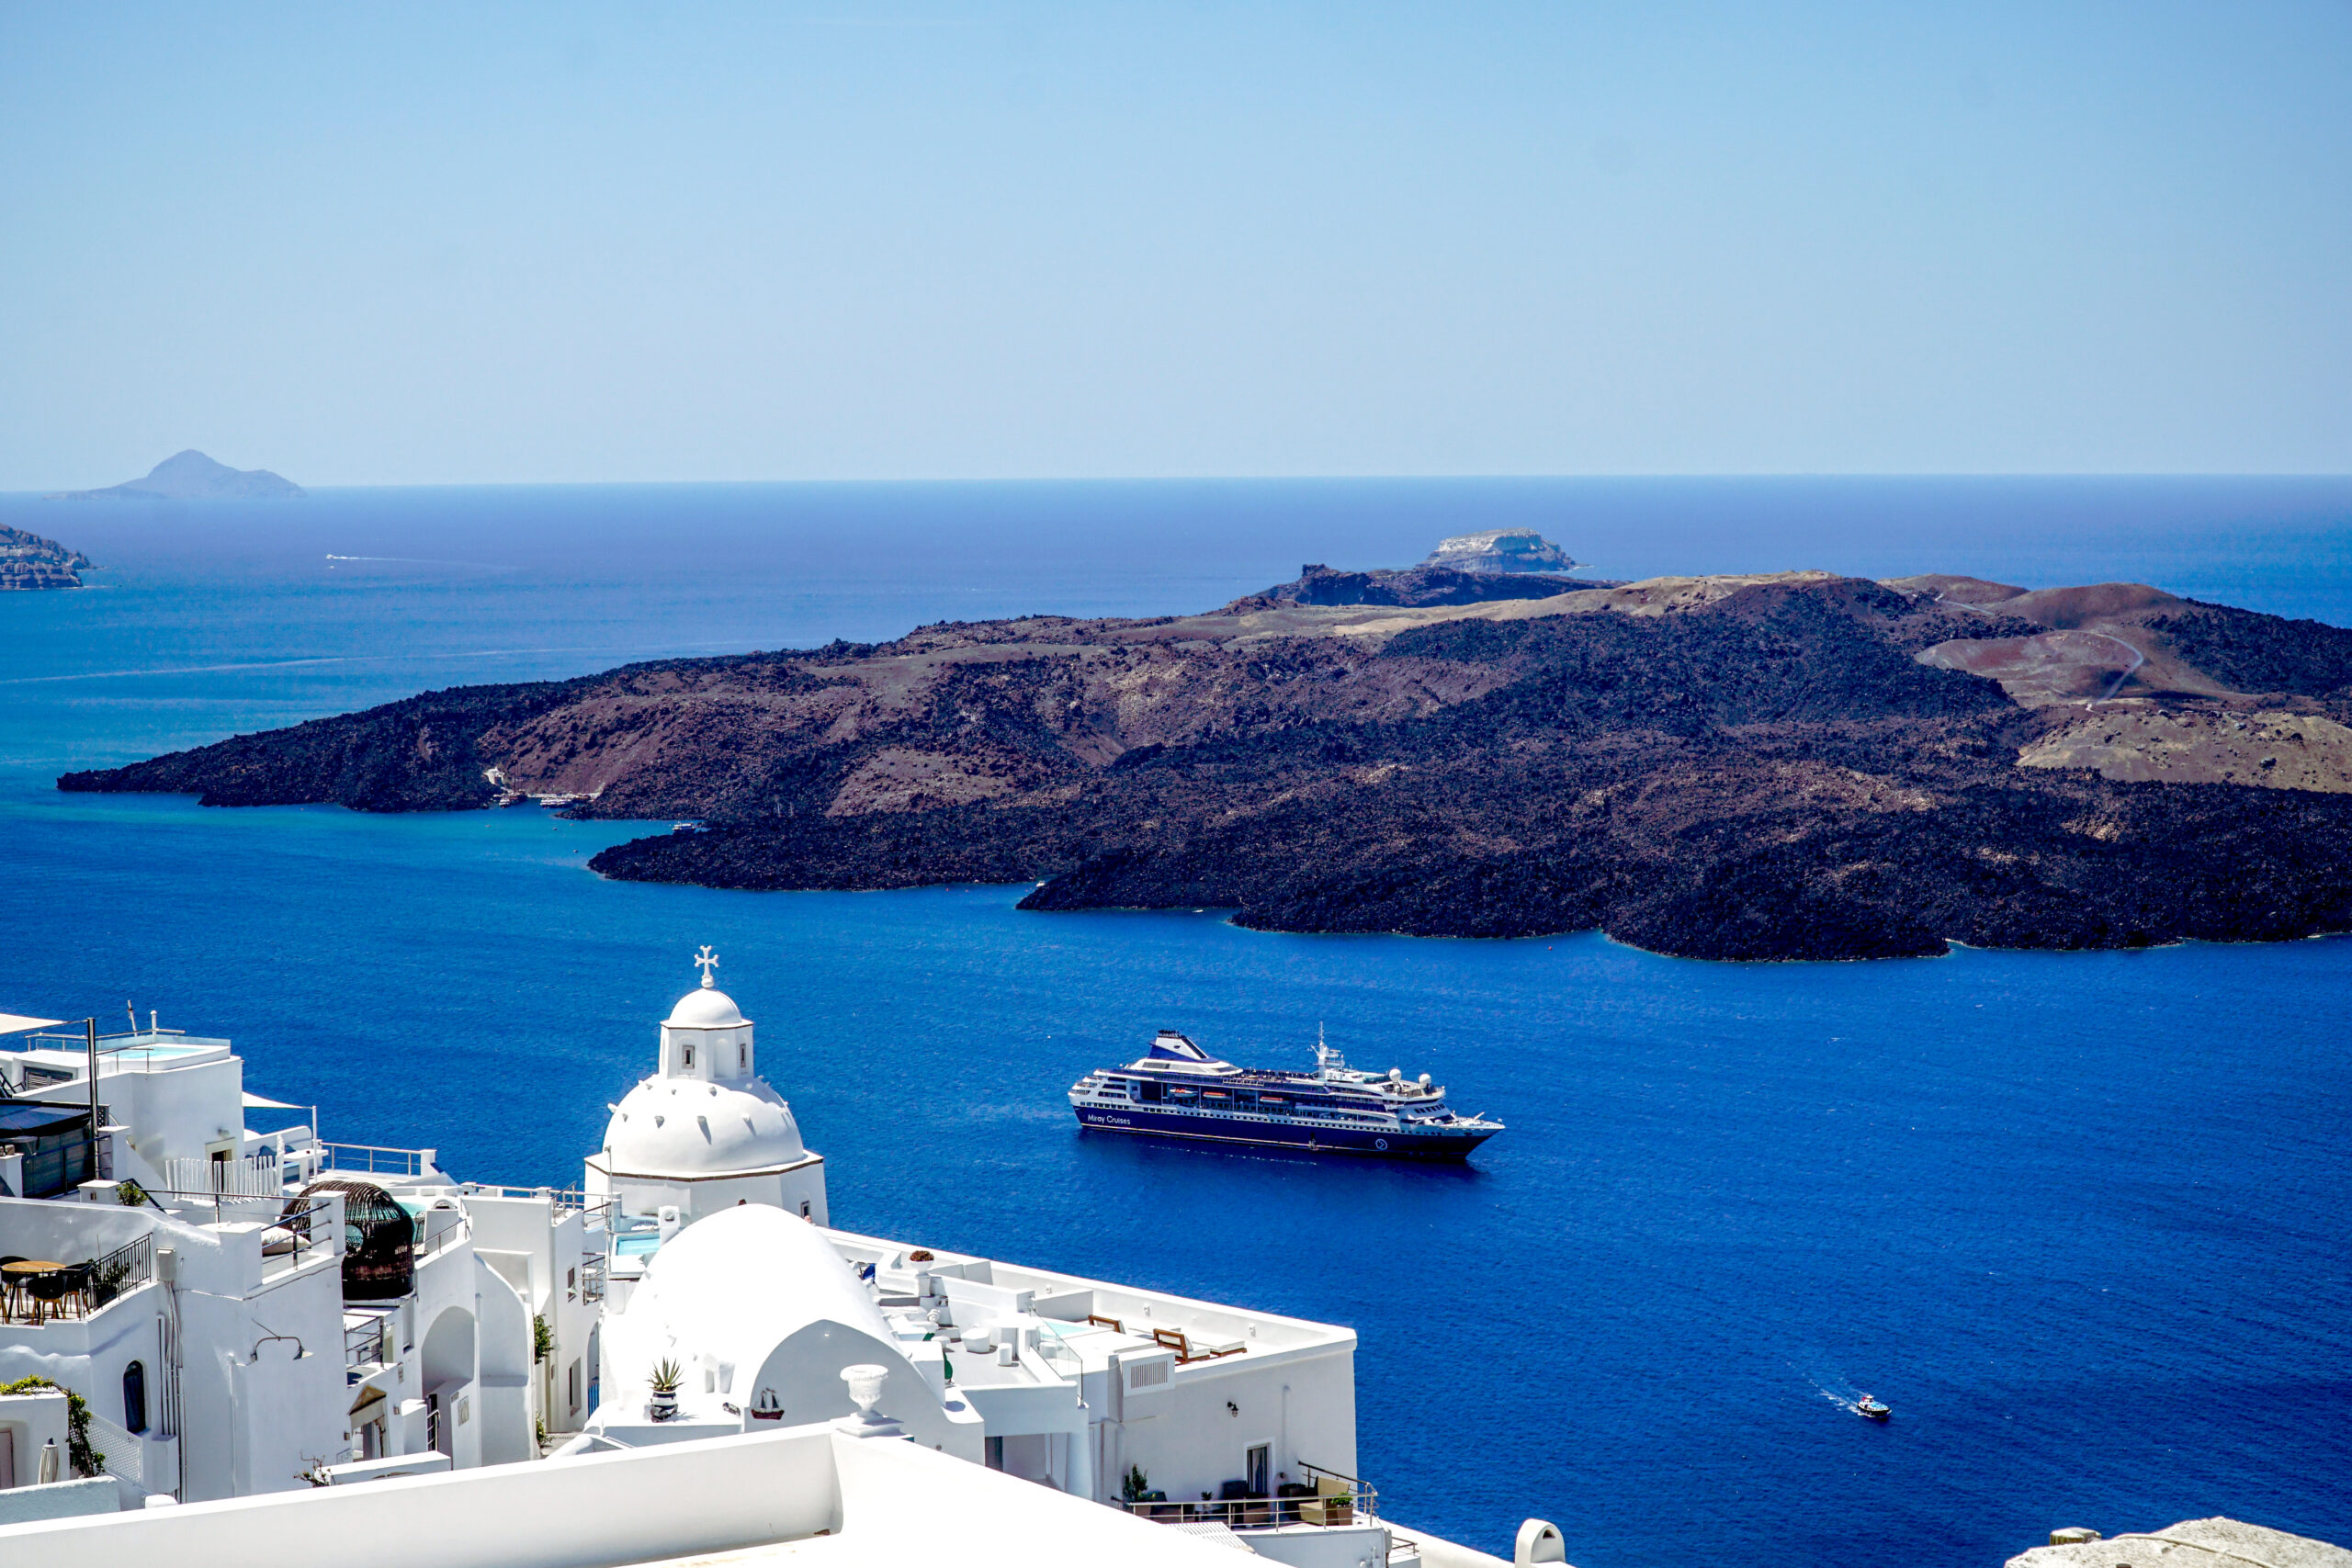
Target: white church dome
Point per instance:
(706, 1008)
(706, 1113)
(686, 1127)
(746, 1278)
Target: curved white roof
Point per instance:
(706, 1008)
(744, 1279)
(687, 1127)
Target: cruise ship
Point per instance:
(1178, 1090)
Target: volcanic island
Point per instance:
(1784, 765)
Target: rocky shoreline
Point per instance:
(30, 562)
(1786, 766)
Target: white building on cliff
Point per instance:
(249, 1313)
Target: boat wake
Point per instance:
(1850, 1399)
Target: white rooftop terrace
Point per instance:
(60, 1057)
(1090, 1319)
(804, 1493)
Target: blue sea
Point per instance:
(2083, 1219)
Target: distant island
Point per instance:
(1500, 550)
(28, 560)
(192, 476)
(1782, 765)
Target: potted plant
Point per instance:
(667, 1375)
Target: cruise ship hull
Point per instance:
(1376, 1144)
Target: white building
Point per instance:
(706, 1131)
(1172, 1408)
(247, 1312)
(1083, 1384)
(761, 1315)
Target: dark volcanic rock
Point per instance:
(28, 560)
(1728, 767)
(1416, 586)
(423, 754)
(2254, 652)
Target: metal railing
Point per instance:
(369, 1342)
(1366, 1499)
(374, 1159)
(1325, 1497)
(593, 1206)
(591, 1277)
(425, 1249)
(313, 1224)
(79, 1290)
(109, 1044)
(192, 1204)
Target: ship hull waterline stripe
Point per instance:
(1423, 1146)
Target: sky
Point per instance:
(580, 243)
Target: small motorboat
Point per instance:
(1871, 1409)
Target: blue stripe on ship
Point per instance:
(1378, 1142)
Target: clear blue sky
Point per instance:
(458, 244)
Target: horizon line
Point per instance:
(87, 493)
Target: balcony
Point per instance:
(1325, 1499)
(34, 1293)
(369, 1342)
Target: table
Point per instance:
(19, 1277)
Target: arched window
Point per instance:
(134, 1398)
(690, 1056)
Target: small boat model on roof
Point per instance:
(1870, 1408)
(1179, 1090)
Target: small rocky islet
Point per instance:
(1789, 765)
(30, 562)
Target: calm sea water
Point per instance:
(2082, 1219)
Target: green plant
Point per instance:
(106, 1280)
(87, 1461)
(542, 1338)
(541, 1428)
(1136, 1483)
(667, 1376)
(129, 1194)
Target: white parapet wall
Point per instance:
(877, 1500)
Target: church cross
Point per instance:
(708, 961)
